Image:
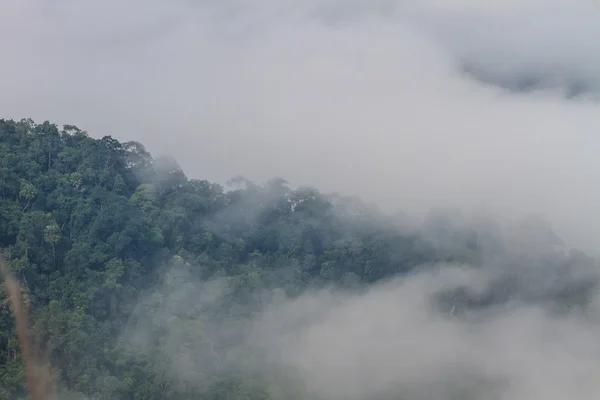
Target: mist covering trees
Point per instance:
(140, 280)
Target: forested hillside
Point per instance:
(113, 247)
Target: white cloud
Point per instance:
(393, 340)
(362, 97)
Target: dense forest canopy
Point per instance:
(143, 284)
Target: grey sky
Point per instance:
(364, 97)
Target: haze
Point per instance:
(392, 340)
(361, 97)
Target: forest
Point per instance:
(141, 282)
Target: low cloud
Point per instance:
(498, 331)
(395, 340)
(379, 99)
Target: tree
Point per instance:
(27, 192)
(141, 280)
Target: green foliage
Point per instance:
(91, 227)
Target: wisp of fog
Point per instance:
(392, 340)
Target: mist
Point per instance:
(401, 102)
(393, 339)
(412, 105)
(519, 322)
(507, 329)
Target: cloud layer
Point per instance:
(363, 97)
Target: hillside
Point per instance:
(141, 281)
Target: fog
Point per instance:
(521, 324)
(442, 332)
(393, 340)
(367, 98)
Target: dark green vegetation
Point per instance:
(108, 243)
